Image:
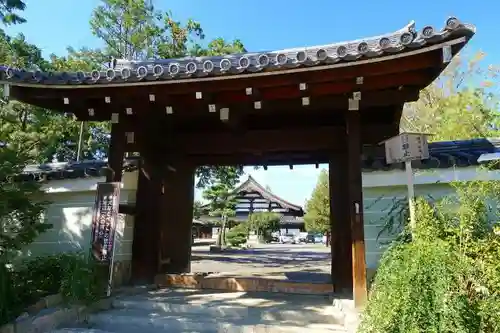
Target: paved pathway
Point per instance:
(204, 311)
(295, 262)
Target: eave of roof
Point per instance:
(178, 70)
(284, 220)
(445, 154)
(251, 185)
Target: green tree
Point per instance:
(461, 104)
(222, 201)
(317, 217)
(21, 209)
(264, 223)
(197, 209)
(9, 10)
(134, 29)
(52, 135)
(218, 46)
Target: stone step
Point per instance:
(243, 283)
(123, 320)
(286, 308)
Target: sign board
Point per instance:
(104, 221)
(406, 147)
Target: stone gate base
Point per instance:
(242, 283)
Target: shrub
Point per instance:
(237, 235)
(443, 276)
(418, 288)
(78, 279)
(83, 279)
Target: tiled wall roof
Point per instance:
(444, 154)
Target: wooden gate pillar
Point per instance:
(175, 234)
(340, 224)
(145, 247)
(116, 153)
(355, 204)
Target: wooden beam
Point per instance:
(258, 141)
(116, 153)
(265, 160)
(377, 91)
(372, 83)
(290, 100)
(371, 99)
(355, 204)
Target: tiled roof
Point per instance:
(444, 154)
(124, 71)
(284, 220)
(251, 185)
(72, 170)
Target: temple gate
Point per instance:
(322, 104)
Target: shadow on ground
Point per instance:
(265, 258)
(238, 308)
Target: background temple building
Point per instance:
(253, 197)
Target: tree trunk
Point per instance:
(219, 237)
(223, 231)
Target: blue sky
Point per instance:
(265, 25)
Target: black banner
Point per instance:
(104, 221)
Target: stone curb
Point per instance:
(245, 284)
(28, 323)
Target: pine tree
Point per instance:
(222, 201)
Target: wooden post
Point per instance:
(341, 247)
(116, 153)
(145, 248)
(355, 205)
(177, 219)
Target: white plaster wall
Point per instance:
(70, 214)
(73, 200)
(378, 202)
(381, 189)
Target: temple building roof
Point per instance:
(444, 154)
(318, 57)
(251, 185)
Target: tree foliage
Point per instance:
(24, 136)
(136, 30)
(237, 235)
(9, 11)
(221, 197)
(461, 104)
(21, 210)
(264, 222)
(317, 217)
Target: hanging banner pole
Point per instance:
(112, 264)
